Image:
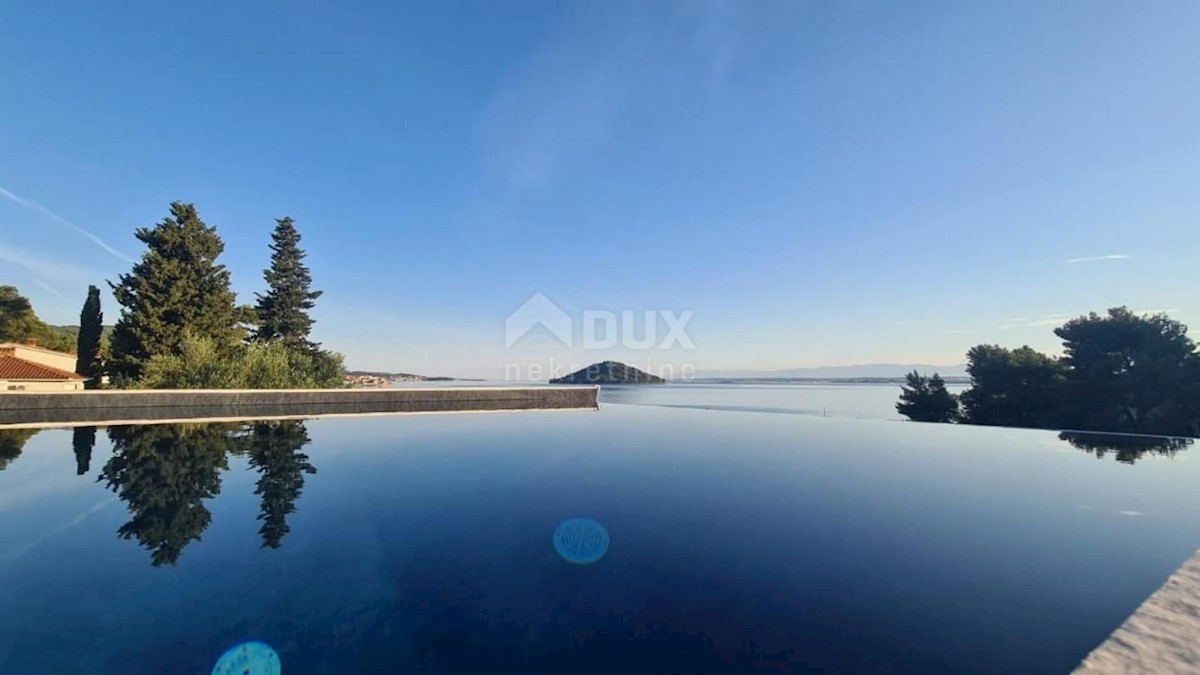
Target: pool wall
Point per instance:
(1162, 636)
(25, 408)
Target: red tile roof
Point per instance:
(13, 368)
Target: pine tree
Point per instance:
(178, 288)
(283, 310)
(87, 346)
(17, 320)
(926, 399)
(19, 323)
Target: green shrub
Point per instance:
(200, 363)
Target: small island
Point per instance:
(608, 372)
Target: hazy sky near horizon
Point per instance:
(819, 182)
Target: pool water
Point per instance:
(730, 542)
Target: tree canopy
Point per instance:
(926, 399)
(181, 327)
(1012, 387)
(178, 287)
(1130, 373)
(1121, 372)
(19, 323)
(283, 309)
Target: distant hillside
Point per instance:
(407, 377)
(73, 331)
(862, 371)
(609, 372)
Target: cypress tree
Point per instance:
(87, 345)
(283, 310)
(176, 289)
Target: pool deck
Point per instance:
(1162, 636)
(80, 408)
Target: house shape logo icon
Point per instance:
(538, 310)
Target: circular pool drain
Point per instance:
(581, 540)
(248, 658)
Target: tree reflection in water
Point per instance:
(82, 441)
(1127, 449)
(275, 454)
(164, 472)
(12, 442)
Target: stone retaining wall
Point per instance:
(99, 406)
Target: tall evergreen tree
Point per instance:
(178, 288)
(283, 310)
(87, 345)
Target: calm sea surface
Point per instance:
(731, 541)
(831, 399)
(860, 401)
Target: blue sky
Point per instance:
(820, 183)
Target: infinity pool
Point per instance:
(728, 542)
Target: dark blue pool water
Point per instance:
(734, 542)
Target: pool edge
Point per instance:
(1161, 636)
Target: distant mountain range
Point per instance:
(866, 370)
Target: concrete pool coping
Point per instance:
(1161, 636)
(26, 409)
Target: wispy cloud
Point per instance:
(41, 267)
(1059, 319)
(1048, 320)
(1097, 258)
(34, 206)
(49, 288)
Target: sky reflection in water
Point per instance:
(745, 540)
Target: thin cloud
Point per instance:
(39, 266)
(1049, 320)
(34, 206)
(1096, 258)
(49, 288)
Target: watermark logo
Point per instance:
(600, 329)
(538, 310)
